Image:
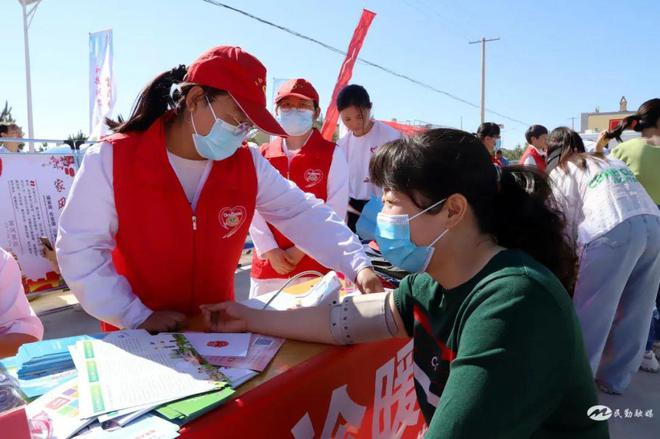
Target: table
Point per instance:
(321, 391)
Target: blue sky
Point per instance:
(555, 59)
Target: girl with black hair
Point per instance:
(642, 156)
(158, 214)
(617, 229)
(365, 135)
(498, 350)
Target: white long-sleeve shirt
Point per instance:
(89, 223)
(263, 238)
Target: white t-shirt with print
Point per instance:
(358, 152)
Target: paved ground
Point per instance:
(643, 394)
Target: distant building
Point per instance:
(599, 121)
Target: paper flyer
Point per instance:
(262, 350)
(56, 415)
(154, 370)
(219, 344)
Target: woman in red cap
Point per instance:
(158, 214)
(315, 165)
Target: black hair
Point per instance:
(535, 131)
(353, 95)
(565, 145)
(517, 208)
(647, 116)
(157, 98)
(488, 129)
(6, 126)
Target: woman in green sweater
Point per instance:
(642, 155)
(498, 350)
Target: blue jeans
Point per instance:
(654, 332)
(614, 296)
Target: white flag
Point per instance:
(101, 82)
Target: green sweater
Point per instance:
(643, 160)
(500, 356)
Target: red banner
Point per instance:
(362, 391)
(345, 73)
(408, 130)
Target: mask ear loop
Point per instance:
(427, 209)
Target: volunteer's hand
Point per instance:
(368, 282)
(232, 317)
(295, 255)
(163, 321)
(279, 260)
(602, 142)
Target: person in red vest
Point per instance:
(315, 165)
(159, 212)
(489, 134)
(534, 155)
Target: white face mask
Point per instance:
(296, 121)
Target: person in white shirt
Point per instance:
(616, 226)
(534, 155)
(158, 213)
(365, 135)
(10, 130)
(316, 166)
(18, 322)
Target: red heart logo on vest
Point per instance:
(231, 219)
(313, 177)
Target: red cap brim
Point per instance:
(298, 95)
(260, 117)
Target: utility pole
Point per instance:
(28, 15)
(483, 42)
(573, 122)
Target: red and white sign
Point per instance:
(362, 391)
(33, 191)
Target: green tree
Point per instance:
(5, 115)
(513, 155)
(76, 140)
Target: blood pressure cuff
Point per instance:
(362, 318)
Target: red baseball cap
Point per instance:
(300, 88)
(241, 75)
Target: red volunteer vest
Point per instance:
(538, 158)
(309, 171)
(176, 259)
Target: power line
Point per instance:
(362, 60)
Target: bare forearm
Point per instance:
(305, 324)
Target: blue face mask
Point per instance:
(498, 144)
(393, 237)
(296, 121)
(222, 141)
(366, 224)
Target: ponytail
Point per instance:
(647, 116)
(527, 218)
(513, 204)
(630, 122)
(153, 102)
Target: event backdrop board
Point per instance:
(33, 191)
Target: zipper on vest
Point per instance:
(194, 222)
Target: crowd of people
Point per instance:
(530, 284)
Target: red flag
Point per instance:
(346, 71)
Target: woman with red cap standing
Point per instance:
(158, 214)
(315, 165)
